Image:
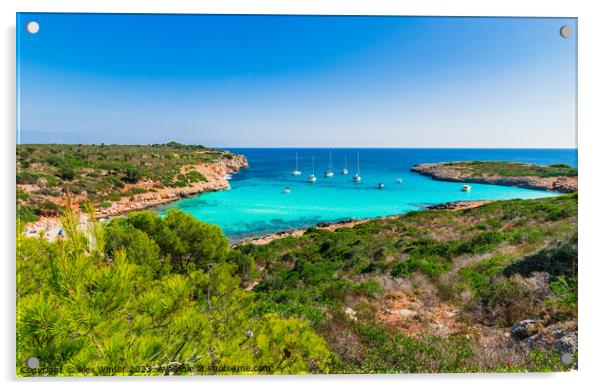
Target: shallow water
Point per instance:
(257, 205)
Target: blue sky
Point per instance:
(314, 81)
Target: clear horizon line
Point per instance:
(389, 147)
(305, 147)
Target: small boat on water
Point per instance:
(357, 178)
(312, 177)
(399, 180)
(296, 172)
(329, 172)
(381, 186)
(287, 190)
(466, 188)
(344, 171)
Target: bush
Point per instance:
(564, 297)
(370, 288)
(245, 265)
(26, 177)
(22, 195)
(559, 259)
(27, 214)
(132, 175)
(504, 301)
(195, 176)
(66, 173)
(49, 208)
(560, 165)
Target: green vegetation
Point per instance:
(497, 264)
(101, 172)
(149, 296)
(511, 169)
(430, 291)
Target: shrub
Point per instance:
(505, 301)
(22, 195)
(66, 173)
(26, 177)
(560, 165)
(195, 177)
(559, 259)
(564, 297)
(370, 288)
(132, 175)
(245, 265)
(27, 213)
(49, 208)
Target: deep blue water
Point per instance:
(256, 203)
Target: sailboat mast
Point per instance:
(358, 163)
(296, 161)
(313, 170)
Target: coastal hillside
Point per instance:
(116, 179)
(490, 288)
(555, 177)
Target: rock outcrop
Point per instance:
(216, 174)
(458, 205)
(568, 343)
(525, 328)
(445, 172)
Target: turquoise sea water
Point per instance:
(257, 205)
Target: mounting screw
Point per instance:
(32, 27)
(566, 31)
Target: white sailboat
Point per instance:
(312, 177)
(344, 171)
(296, 172)
(357, 178)
(399, 180)
(329, 172)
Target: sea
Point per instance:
(257, 204)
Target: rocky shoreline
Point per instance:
(217, 175)
(444, 172)
(349, 223)
(332, 226)
(458, 205)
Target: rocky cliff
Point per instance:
(216, 174)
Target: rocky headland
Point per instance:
(527, 175)
(216, 174)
